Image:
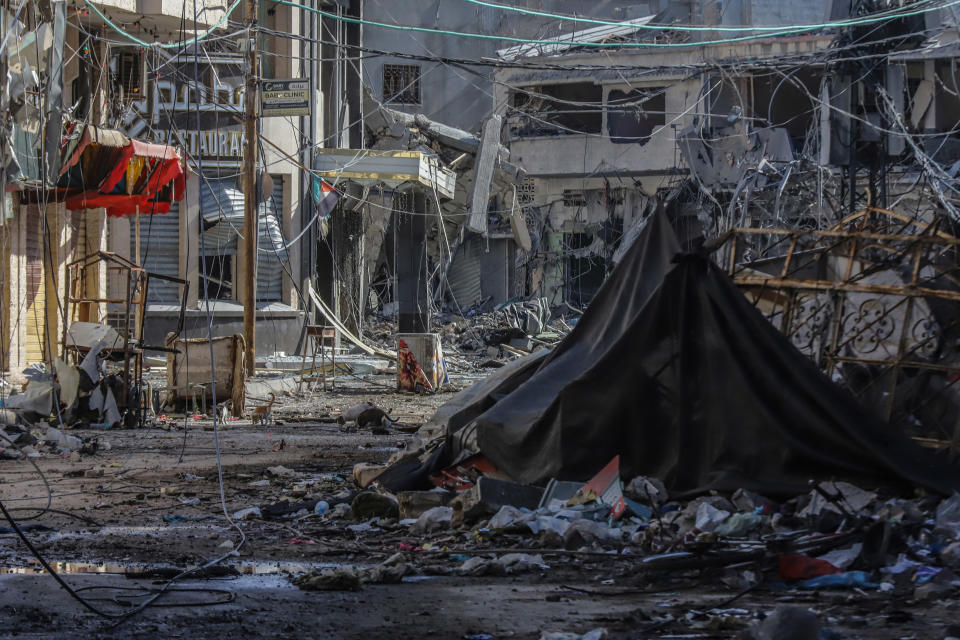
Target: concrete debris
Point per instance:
(789, 623)
(504, 565)
(594, 634)
(352, 578)
(280, 471)
(435, 519)
(414, 503)
(373, 504)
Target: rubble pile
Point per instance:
(836, 536)
(18, 442)
(479, 338)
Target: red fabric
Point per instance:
(119, 170)
(170, 170)
(116, 204)
(151, 150)
(794, 566)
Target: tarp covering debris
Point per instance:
(673, 370)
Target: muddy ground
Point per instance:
(149, 501)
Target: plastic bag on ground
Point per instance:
(709, 517)
(510, 518)
(435, 519)
(948, 516)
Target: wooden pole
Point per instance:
(136, 244)
(250, 192)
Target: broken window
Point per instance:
(633, 116)
(219, 270)
(401, 83)
(574, 198)
(128, 69)
(786, 102)
(561, 109)
(727, 101)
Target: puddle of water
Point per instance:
(253, 568)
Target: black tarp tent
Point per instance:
(672, 369)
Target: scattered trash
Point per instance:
(595, 634)
(281, 472)
(431, 520)
(788, 623)
(247, 514)
(504, 565)
(850, 579)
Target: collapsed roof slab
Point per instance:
(372, 167)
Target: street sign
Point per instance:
(284, 98)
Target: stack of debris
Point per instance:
(833, 536)
(76, 396)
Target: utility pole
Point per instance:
(250, 192)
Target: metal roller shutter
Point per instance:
(272, 255)
(159, 252)
(464, 274)
(221, 205)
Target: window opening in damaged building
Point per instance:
(401, 83)
(633, 116)
(560, 109)
(219, 269)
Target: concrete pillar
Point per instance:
(55, 275)
(95, 276)
(346, 238)
(287, 293)
(930, 75)
(118, 242)
(553, 268)
(5, 287)
(18, 292)
(412, 269)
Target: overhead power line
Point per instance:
(877, 17)
(169, 45)
(613, 45)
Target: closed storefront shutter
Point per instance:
(159, 252)
(464, 274)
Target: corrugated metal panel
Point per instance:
(464, 274)
(495, 270)
(221, 204)
(272, 253)
(159, 252)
